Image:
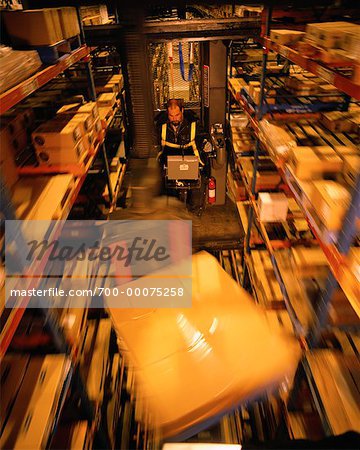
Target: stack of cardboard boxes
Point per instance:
(286, 37)
(41, 27)
(16, 125)
(68, 137)
(299, 84)
(94, 15)
(344, 37)
(273, 207)
(242, 140)
(39, 382)
(254, 91)
(335, 35)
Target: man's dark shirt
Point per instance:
(180, 135)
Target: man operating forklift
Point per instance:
(184, 155)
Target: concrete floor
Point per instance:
(218, 228)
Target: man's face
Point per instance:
(175, 116)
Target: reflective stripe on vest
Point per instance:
(192, 143)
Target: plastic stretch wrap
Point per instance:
(16, 66)
(280, 142)
(193, 365)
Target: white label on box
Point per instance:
(184, 167)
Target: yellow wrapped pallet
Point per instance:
(194, 364)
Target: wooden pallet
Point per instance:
(51, 54)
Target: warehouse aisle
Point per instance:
(219, 227)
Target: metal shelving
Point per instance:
(329, 74)
(12, 96)
(11, 318)
(338, 263)
(334, 247)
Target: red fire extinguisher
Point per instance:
(212, 190)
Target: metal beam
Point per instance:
(199, 29)
(202, 29)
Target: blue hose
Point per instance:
(182, 68)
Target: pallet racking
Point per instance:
(334, 246)
(73, 382)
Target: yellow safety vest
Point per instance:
(192, 143)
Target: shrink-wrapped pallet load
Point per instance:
(193, 365)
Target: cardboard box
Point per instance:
(33, 26)
(351, 168)
(52, 156)
(12, 369)
(267, 176)
(89, 141)
(326, 34)
(310, 262)
(273, 67)
(311, 163)
(305, 164)
(105, 112)
(280, 142)
(286, 37)
(86, 108)
(252, 86)
(330, 161)
(331, 201)
(107, 99)
(32, 418)
(273, 207)
(69, 22)
(256, 95)
(119, 79)
(97, 126)
(7, 158)
(99, 11)
(84, 120)
(351, 42)
(15, 142)
(337, 122)
(329, 37)
(344, 150)
(114, 84)
(239, 121)
(301, 85)
(332, 94)
(107, 88)
(242, 145)
(57, 134)
(18, 120)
